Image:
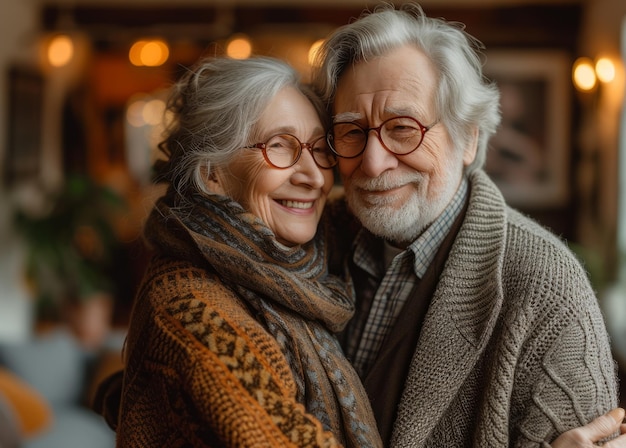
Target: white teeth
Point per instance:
(294, 204)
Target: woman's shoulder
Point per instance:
(181, 284)
(194, 305)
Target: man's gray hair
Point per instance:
(465, 99)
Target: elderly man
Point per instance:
(475, 326)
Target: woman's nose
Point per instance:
(307, 171)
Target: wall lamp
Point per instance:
(149, 53)
(586, 73)
(239, 46)
(60, 50)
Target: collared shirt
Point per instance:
(398, 272)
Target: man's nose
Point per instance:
(375, 159)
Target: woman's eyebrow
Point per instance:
(291, 130)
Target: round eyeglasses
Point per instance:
(284, 150)
(398, 135)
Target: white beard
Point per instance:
(395, 222)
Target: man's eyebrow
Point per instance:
(347, 116)
(355, 116)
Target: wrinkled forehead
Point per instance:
(401, 82)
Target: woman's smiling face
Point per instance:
(289, 201)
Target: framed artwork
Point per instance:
(24, 126)
(528, 157)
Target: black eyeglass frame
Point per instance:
(423, 129)
(309, 146)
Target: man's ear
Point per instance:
(469, 153)
(215, 181)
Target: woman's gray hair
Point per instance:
(465, 99)
(214, 108)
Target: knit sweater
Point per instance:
(513, 350)
(230, 342)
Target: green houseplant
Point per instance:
(70, 248)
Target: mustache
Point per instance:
(385, 181)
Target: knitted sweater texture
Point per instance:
(230, 342)
(513, 350)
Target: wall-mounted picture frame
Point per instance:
(24, 127)
(528, 157)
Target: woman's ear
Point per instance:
(215, 182)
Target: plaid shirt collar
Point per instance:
(424, 247)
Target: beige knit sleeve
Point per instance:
(567, 365)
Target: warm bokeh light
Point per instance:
(134, 113)
(583, 74)
(60, 51)
(313, 51)
(142, 110)
(154, 53)
(605, 70)
(239, 47)
(153, 112)
(134, 54)
(149, 53)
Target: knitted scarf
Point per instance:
(291, 293)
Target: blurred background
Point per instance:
(82, 108)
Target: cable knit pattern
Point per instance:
(230, 342)
(513, 350)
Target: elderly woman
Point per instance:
(231, 337)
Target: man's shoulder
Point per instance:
(542, 239)
(487, 200)
(538, 258)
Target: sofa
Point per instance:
(49, 381)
